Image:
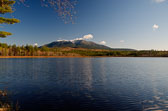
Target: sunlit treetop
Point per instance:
(8, 20)
(4, 34)
(6, 7)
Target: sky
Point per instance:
(137, 24)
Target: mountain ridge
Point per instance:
(80, 44)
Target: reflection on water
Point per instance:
(159, 100)
(85, 84)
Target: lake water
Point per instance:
(82, 84)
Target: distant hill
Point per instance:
(80, 44)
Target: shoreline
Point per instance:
(43, 56)
(73, 56)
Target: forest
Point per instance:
(30, 50)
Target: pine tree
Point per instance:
(6, 7)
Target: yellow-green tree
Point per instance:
(6, 7)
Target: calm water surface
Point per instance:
(94, 84)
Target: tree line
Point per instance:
(30, 50)
(27, 50)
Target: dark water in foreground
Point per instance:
(82, 84)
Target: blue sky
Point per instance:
(138, 24)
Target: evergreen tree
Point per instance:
(6, 7)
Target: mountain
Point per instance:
(80, 44)
(76, 44)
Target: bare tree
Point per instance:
(64, 8)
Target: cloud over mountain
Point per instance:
(85, 37)
(155, 27)
(103, 42)
(89, 36)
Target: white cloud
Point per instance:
(122, 41)
(103, 42)
(159, 1)
(89, 36)
(78, 39)
(85, 37)
(155, 27)
(36, 44)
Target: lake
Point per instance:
(85, 84)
